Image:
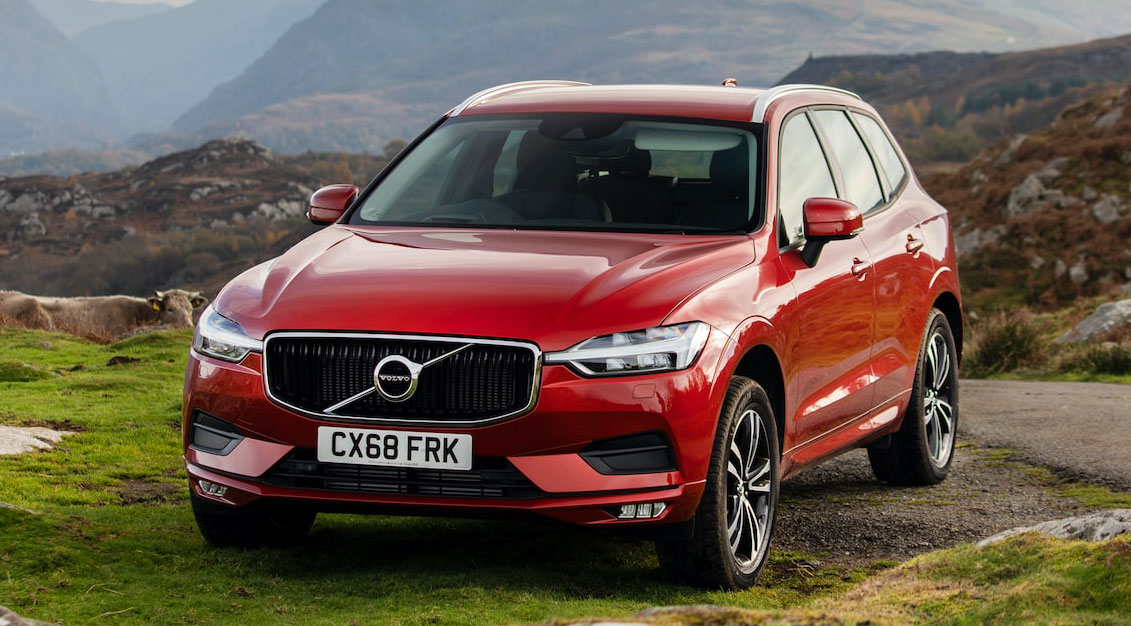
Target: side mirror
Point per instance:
(329, 203)
(828, 219)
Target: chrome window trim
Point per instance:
(509, 88)
(528, 345)
(766, 98)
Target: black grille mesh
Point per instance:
(488, 478)
(480, 382)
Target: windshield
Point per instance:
(572, 172)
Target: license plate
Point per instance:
(394, 448)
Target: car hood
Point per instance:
(555, 288)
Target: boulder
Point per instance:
(1107, 317)
(20, 439)
(1099, 526)
(8, 618)
(1108, 210)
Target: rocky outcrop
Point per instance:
(1099, 526)
(1108, 318)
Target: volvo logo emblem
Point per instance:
(396, 378)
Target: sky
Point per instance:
(175, 3)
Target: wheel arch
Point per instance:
(948, 303)
(761, 364)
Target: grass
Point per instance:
(114, 541)
(110, 538)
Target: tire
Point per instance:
(709, 558)
(249, 527)
(921, 451)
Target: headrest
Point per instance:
(544, 166)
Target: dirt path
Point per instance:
(1080, 430)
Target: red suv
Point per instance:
(624, 306)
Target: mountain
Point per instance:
(53, 95)
(420, 57)
(945, 104)
(159, 65)
(1045, 217)
(193, 218)
(74, 16)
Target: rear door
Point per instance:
(831, 369)
(894, 234)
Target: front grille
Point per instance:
(489, 477)
(484, 381)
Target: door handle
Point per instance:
(914, 244)
(860, 268)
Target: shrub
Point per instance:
(1098, 359)
(1003, 342)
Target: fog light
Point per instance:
(647, 510)
(212, 488)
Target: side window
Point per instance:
(860, 179)
(803, 173)
(885, 153)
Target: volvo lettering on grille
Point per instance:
(395, 378)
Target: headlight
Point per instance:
(658, 349)
(220, 337)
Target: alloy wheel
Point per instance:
(748, 491)
(938, 399)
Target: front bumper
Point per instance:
(544, 445)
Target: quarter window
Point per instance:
(860, 179)
(803, 173)
(885, 152)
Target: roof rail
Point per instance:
(509, 88)
(774, 93)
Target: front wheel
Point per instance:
(735, 519)
(921, 451)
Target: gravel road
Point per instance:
(1079, 430)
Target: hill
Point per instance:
(404, 55)
(158, 65)
(75, 16)
(1045, 217)
(194, 218)
(53, 95)
(945, 105)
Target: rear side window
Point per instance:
(803, 173)
(860, 179)
(884, 151)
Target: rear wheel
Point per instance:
(250, 527)
(921, 451)
(735, 519)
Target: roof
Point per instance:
(739, 104)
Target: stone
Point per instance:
(1051, 170)
(1037, 262)
(8, 618)
(975, 239)
(20, 439)
(31, 226)
(1109, 119)
(28, 203)
(1078, 273)
(1108, 317)
(1024, 195)
(104, 211)
(1089, 194)
(1099, 526)
(1108, 210)
(5, 198)
(1059, 268)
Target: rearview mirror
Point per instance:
(329, 203)
(828, 219)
